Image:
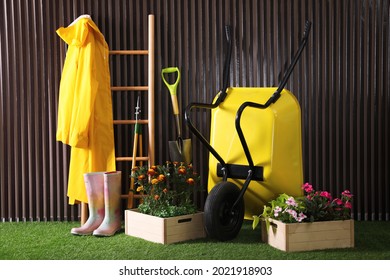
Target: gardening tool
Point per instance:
(181, 149)
(136, 142)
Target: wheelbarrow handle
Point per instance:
(307, 30)
(226, 67)
(221, 97)
(294, 61)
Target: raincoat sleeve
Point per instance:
(78, 86)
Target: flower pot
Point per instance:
(164, 230)
(309, 236)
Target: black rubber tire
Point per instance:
(221, 221)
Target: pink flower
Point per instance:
(347, 193)
(307, 188)
(277, 210)
(301, 217)
(293, 213)
(291, 201)
(326, 194)
(317, 205)
(338, 201)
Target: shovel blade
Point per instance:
(180, 154)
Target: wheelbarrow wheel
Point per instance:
(223, 222)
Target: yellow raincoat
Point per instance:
(85, 120)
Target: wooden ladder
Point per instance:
(131, 197)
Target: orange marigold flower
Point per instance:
(151, 172)
(155, 181)
(140, 189)
(165, 190)
(156, 197)
(141, 177)
(190, 181)
(182, 170)
(161, 177)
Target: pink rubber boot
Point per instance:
(94, 183)
(112, 203)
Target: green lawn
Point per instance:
(53, 241)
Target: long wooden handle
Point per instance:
(175, 104)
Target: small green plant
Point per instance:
(166, 189)
(313, 206)
(284, 208)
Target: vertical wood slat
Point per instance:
(341, 82)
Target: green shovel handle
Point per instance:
(172, 87)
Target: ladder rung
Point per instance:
(127, 52)
(131, 121)
(131, 158)
(130, 88)
(126, 196)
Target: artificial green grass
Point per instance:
(53, 241)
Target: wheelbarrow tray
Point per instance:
(274, 140)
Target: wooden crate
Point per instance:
(309, 236)
(164, 230)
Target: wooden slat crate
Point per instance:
(309, 236)
(164, 230)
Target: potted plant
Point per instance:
(166, 213)
(311, 222)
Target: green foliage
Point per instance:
(321, 206)
(166, 189)
(53, 241)
(314, 206)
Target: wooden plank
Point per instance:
(129, 52)
(129, 88)
(309, 236)
(131, 158)
(164, 230)
(130, 121)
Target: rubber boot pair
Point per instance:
(104, 197)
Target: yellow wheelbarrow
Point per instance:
(255, 149)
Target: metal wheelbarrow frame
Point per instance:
(224, 207)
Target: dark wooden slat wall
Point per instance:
(341, 81)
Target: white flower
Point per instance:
(277, 210)
(293, 213)
(301, 217)
(291, 201)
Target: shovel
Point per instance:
(181, 149)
